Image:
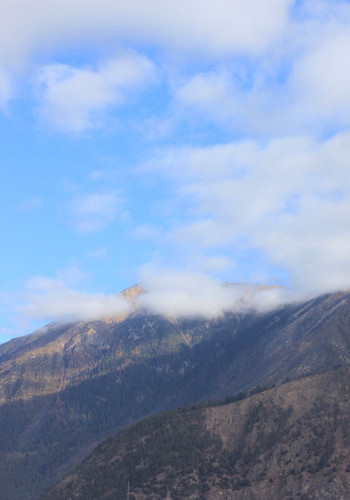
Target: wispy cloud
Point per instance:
(213, 95)
(287, 198)
(93, 211)
(51, 299)
(29, 204)
(76, 99)
(6, 89)
(301, 85)
(100, 253)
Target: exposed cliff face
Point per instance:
(288, 442)
(66, 387)
(133, 292)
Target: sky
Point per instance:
(178, 145)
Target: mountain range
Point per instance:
(66, 387)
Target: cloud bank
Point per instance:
(168, 293)
(203, 26)
(183, 294)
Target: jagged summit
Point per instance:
(132, 292)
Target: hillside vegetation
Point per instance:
(66, 387)
(288, 442)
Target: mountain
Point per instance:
(66, 387)
(291, 442)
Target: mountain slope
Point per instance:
(287, 442)
(66, 387)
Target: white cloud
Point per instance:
(93, 211)
(192, 25)
(212, 94)
(306, 43)
(287, 198)
(72, 276)
(6, 89)
(299, 85)
(31, 31)
(77, 99)
(320, 81)
(51, 299)
(184, 294)
(171, 293)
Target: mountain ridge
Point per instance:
(65, 389)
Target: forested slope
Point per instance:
(292, 441)
(66, 387)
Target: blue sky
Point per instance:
(177, 145)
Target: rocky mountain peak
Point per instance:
(133, 292)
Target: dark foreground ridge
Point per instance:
(65, 388)
(288, 442)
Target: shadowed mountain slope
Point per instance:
(66, 387)
(288, 442)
